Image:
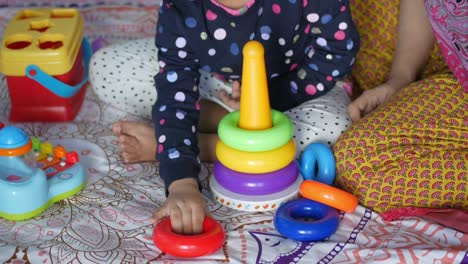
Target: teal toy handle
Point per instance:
(56, 86)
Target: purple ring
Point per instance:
(257, 183)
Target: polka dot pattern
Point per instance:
(210, 15)
(191, 22)
(180, 42)
(220, 34)
(330, 108)
(204, 36)
(276, 8)
(122, 75)
(320, 120)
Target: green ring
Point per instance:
(255, 140)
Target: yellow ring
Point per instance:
(256, 162)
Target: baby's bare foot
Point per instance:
(136, 140)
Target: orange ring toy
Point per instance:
(328, 195)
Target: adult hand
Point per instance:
(185, 206)
(369, 100)
(233, 100)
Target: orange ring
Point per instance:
(328, 195)
(17, 151)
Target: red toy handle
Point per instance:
(1, 125)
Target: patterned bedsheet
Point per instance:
(109, 221)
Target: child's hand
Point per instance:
(233, 100)
(369, 100)
(185, 206)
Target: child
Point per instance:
(309, 46)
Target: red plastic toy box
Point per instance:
(45, 60)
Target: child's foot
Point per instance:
(136, 140)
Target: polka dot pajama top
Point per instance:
(309, 44)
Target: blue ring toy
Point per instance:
(320, 154)
(289, 221)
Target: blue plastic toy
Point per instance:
(318, 163)
(322, 220)
(27, 187)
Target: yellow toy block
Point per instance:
(48, 38)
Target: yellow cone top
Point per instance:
(254, 102)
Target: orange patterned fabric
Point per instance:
(377, 23)
(413, 151)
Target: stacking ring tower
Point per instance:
(256, 168)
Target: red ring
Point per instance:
(189, 246)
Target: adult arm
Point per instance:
(414, 44)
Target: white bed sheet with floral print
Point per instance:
(109, 220)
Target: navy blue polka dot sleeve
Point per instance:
(176, 111)
(328, 56)
(308, 46)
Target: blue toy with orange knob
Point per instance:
(28, 185)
